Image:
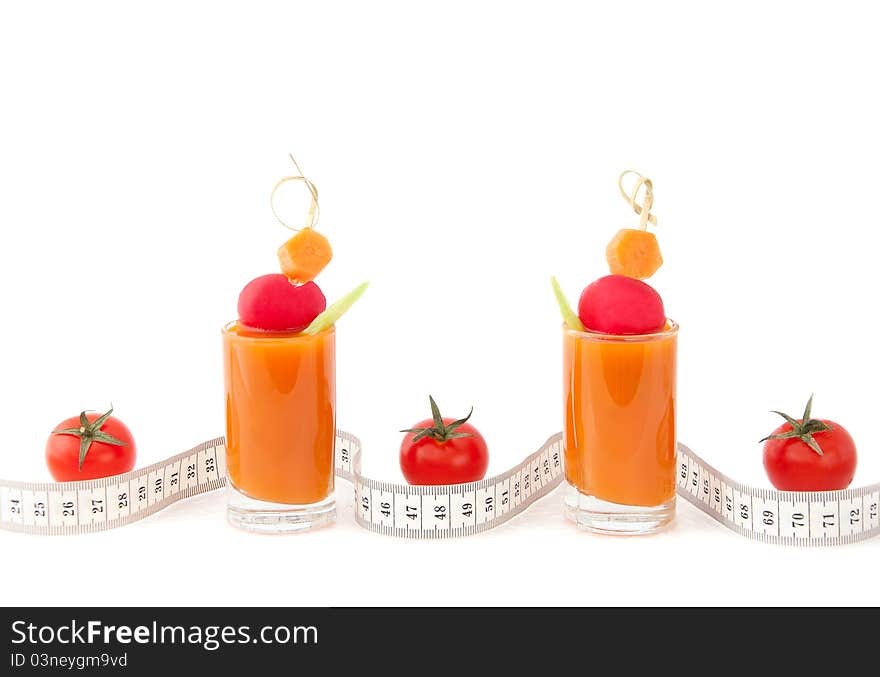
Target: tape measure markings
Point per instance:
(446, 511)
(96, 505)
(786, 517)
(433, 512)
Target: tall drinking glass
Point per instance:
(619, 396)
(280, 428)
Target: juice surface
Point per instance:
(280, 414)
(620, 416)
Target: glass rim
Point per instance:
(669, 331)
(273, 335)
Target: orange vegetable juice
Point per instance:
(620, 429)
(280, 414)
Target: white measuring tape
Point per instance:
(790, 518)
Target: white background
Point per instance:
(464, 152)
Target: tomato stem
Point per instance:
(803, 429)
(88, 432)
(440, 431)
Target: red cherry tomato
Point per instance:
(274, 303)
(809, 454)
(90, 446)
(617, 304)
(443, 451)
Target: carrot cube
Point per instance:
(304, 255)
(634, 253)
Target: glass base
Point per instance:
(264, 517)
(604, 517)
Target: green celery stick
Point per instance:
(568, 315)
(335, 310)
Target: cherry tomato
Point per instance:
(90, 446)
(809, 454)
(443, 451)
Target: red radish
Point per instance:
(617, 304)
(273, 303)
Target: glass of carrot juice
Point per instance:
(280, 428)
(619, 397)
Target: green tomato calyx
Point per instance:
(88, 432)
(440, 432)
(803, 429)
